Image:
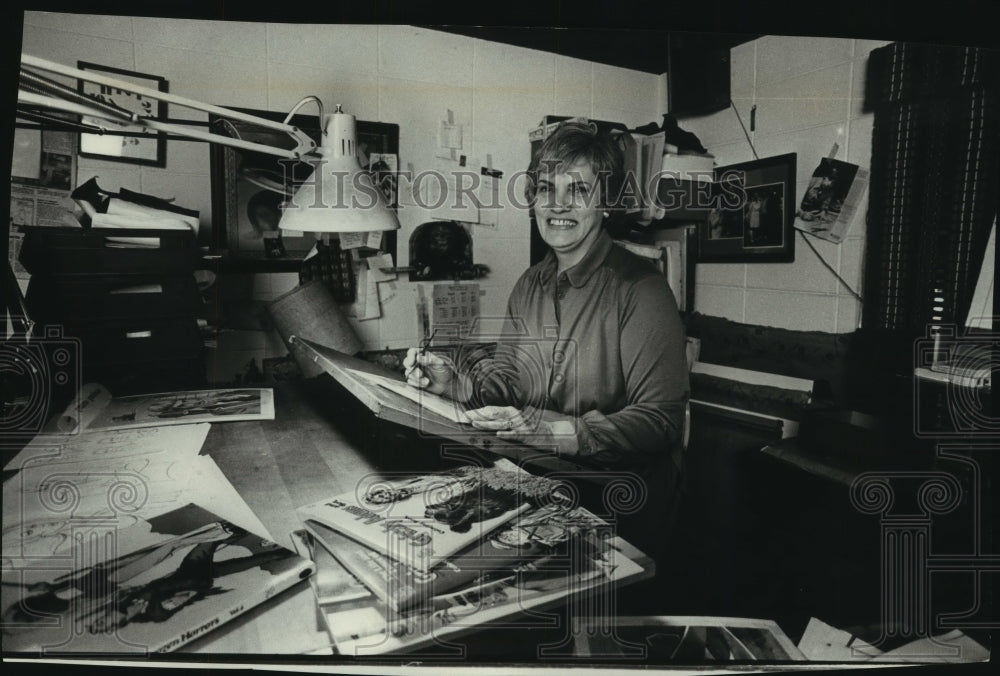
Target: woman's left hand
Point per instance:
(503, 419)
(527, 426)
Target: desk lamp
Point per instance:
(339, 197)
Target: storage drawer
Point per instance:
(76, 298)
(108, 250)
(137, 341)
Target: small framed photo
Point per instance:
(138, 145)
(752, 213)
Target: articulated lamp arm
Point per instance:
(37, 90)
(339, 197)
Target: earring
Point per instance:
(606, 214)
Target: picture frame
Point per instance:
(245, 183)
(139, 146)
(752, 213)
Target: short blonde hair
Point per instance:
(573, 141)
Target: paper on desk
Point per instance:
(42, 501)
(821, 642)
(954, 646)
(47, 506)
(151, 443)
(95, 409)
(140, 213)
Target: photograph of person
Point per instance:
(614, 386)
(763, 215)
(825, 196)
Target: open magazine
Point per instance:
(150, 587)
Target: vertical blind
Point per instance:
(935, 182)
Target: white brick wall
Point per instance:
(402, 74)
(809, 95)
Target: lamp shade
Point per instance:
(339, 196)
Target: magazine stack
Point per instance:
(406, 561)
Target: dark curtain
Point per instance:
(934, 186)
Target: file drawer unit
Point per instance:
(128, 295)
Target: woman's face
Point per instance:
(568, 209)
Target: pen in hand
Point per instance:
(423, 351)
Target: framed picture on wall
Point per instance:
(139, 146)
(752, 212)
(248, 187)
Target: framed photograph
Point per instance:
(143, 146)
(752, 213)
(248, 188)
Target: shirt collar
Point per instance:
(581, 273)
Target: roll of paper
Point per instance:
(92, 398)
(309, 311)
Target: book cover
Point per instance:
(539, 532)
(592, 565)
(832, 199)
(422, 520)
(332, 582)
(151, 587)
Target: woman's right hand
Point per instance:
(434, 373)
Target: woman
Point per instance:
(592, 362)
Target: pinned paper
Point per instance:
(456, 306)
(387, 292)
(449, 138)
(450, 133)
(377, 265)
(352, 240)
(489, 194)
(372, 309)
(373, 239)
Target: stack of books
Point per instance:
(405, 562)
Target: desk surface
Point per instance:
(318, 445)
